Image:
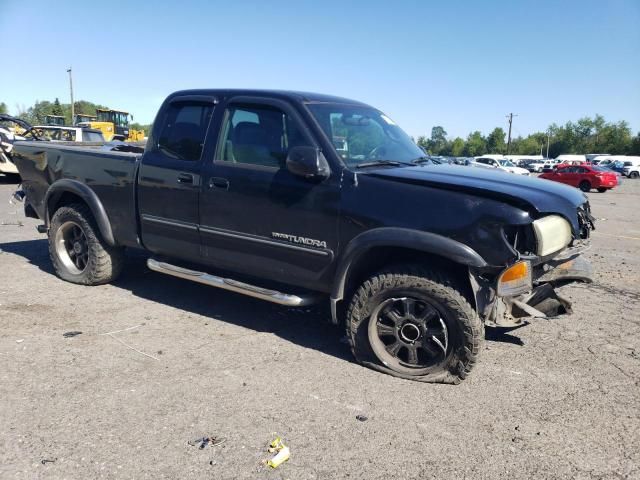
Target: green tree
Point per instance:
(495, 141)
(476, 145)
(438, 140)
(635, 145)
(57, 108)
(423, 143)
(3, 108)
(457, 147)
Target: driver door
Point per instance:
(256, 217)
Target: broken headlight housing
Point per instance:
(553, 233)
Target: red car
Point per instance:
(585, 177)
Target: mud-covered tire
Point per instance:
(585, 186)
(102, 263)
(465, 329)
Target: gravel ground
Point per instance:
(555, 399)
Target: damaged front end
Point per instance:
(527, 288)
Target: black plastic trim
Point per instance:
(59, 187)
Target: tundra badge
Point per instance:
(312, 242)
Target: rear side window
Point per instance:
(183, 130)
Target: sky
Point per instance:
(461, 64)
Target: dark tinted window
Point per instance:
(184, 129)
(92, 136)
(258, 135)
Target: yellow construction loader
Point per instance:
(114, 125)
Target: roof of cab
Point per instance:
(303, 97)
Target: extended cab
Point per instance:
(299, 198)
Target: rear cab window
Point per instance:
(183, 130)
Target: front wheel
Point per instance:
(77, 250)
(634, 175)
(414, 324)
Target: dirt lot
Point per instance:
(555, 399)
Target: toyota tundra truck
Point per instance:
(299, 198)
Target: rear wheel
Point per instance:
(634, 175)
(602, 190)
(414, 324)
(77, 250)
(585, 186)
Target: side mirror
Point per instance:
(307, 162)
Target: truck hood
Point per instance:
(544, 196)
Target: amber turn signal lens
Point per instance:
(515, 280)
(518, 271)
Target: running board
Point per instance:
(233, 285)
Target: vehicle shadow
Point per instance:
(308, 326)
(9, 179)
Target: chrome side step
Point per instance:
(228, 284)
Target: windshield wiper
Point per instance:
(377, 163)
(425, 159)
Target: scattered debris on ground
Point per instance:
(202, 442)
(73, 333)
(281, 451)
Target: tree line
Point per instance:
(37, 113)
(587, 135)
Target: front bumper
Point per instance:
(543, 301)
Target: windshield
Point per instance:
(363, 134)
(88, 136)
(506, 163)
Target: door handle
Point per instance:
(219, 183)
(185, 178)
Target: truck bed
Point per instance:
(111, 175)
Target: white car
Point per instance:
(7, 137)
(504, 165)
(57, 133)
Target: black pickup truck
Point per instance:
(298, 198)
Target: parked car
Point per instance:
(65, 134)
(245, 190)
(585, 177)
(567, 157)
(629, 168)
(504, 165)
(536, 166)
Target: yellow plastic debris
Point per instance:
(282, 454)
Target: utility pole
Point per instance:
(548, 140)
(73, 112)
(510, 117)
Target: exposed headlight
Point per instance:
(553, 233)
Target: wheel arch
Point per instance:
(67, 191)
(372, 250)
